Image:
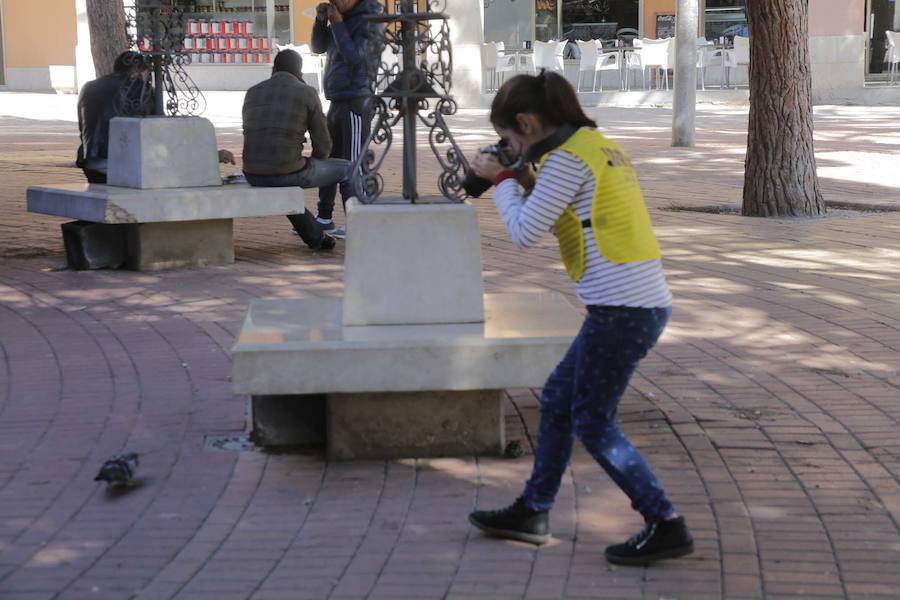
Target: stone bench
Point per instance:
(170, 227)
(165, 205)
(413, 359)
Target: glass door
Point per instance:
(883, 16)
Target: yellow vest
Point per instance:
(619, 219)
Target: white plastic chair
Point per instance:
(742, 53)
(720, 57)
(587, 62)
(489, 65)
(703, 47)
(633, 62)
(495, 65)
(892, 54)
(608, 61)
(546, 56)
(655, 54)
(560, 51)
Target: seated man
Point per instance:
(277, 114)
(123, 93)
(126, 92)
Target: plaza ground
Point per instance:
(770, 409)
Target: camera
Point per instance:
(475, 186)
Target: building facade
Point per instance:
(45, 45)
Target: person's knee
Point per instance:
(594, 426)
(559, 418)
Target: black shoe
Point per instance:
(658, 540)
(515, 522)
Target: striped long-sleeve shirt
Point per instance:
(566, 180)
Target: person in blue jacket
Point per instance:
(341, 30)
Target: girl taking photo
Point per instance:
(586, 192)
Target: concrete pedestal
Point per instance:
(415, 424)
(159, 246)
(162, 152)
(412, 264)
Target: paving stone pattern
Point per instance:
(770, 409)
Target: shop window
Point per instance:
(234, 31)
(598, 19)
(726, 19)
(546, 17)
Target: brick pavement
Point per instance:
(770, 409)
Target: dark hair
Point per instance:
(288, 61)
(127, 61)
(548, 95)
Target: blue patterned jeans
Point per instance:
(581, 397)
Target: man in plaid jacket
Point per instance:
(277, 115)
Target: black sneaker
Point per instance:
(515, 522)
(326, 225)
(658, 540)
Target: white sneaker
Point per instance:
(339, 233)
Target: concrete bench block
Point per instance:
(114, 205)
(171, 228)
(162, 152)
(302, 347)
(159, 246)
(414, 424)
(412, 264)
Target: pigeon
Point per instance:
(119, 470)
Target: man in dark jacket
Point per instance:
(123, 93)
(342, 30)
(277, 115)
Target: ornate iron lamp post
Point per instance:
(156, 31)
(418, 33)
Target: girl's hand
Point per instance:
(487, 166)
(334, 15)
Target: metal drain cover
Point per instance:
(229, 443)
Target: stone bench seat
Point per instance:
(170, 227)
(394, 390)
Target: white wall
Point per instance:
(838, 65)
(466, 36)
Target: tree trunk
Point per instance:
(109, 35)
(780, 170)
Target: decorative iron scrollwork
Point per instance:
(156, 31)
(410, 67)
